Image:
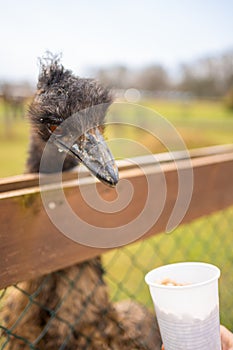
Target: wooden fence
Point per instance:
(32, 246)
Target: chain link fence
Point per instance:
(207, 239)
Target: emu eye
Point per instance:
(52, 128)
(56, 129)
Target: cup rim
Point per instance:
(187, 286)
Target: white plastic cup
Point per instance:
(188, 315)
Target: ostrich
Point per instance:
(81, 317)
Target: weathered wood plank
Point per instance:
(32, 180)
(31, 245)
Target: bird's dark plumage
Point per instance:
(81, 317)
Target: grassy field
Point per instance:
(14, 135)
(199, 124)
(207, 239)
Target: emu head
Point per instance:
(69, 112)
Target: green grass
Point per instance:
(13, 148)
(199, 124)
(201, 110)
(14, 136)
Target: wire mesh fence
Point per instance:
(208, 239)
(81, 311)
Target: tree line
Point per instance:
(207, 77)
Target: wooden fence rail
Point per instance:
(32, 246)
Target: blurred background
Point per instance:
(175, 57)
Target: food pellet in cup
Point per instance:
(170, 282)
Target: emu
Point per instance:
(84, 317)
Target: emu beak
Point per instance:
(93, 152)
(96, 156)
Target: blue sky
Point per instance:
(101, 33)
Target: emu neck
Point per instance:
(87, 275)
(53, 160)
